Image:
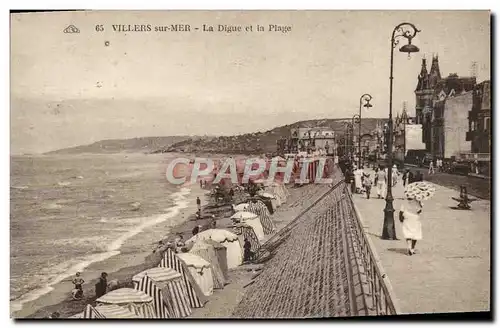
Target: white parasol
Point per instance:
(420, 190)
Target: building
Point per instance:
(312, 139)
(432, 94)
(479, 119)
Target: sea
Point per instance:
(69, 211)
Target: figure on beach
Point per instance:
(196, 230)
(102, 285)
(78, 281)
(198, 203)
(247, 253)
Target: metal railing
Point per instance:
(379, 296)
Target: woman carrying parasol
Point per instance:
(410, 211)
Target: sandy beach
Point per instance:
(122, 267)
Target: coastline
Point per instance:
(134, 256)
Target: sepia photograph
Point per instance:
(250, 164)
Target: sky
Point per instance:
(69, 89)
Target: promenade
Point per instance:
(450, 271)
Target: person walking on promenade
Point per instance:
(407, 177)
(431, 167)
(381, 178)
(367, 182)
(101, 286)
(411, 210)
(409, 215)
(357, 180)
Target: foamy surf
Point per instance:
(69, 269)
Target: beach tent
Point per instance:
(208, 252)
(240, 207)
(228, 239)
(89, 313)
(148, 286)
(274, 201)
(253, 221)
(172, 289)
(136, 301)
(279, 191)
(196, 297)
(262, 211)
(244, 231)
(113, 311)
(201, 270)
(221, 252)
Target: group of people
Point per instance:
(435, 165)
(101, 286)
(362, 180)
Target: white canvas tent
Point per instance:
(201, 270)
(228, 239)
(240, 207)
(208, 252)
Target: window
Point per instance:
(487, 124)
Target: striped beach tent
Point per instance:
(234, 253)
(148, 286)
(221, 252)
(258, 207)
(113, 311)
(196, 297)
(247, 232)
(91, 313)
(136, 301)
(172, 287)
(207, 252)
(201, 270)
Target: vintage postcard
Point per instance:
(250, 164)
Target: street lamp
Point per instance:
(408, 31)
(366, 97)
(356, 116)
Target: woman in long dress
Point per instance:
(357, 180)
(409, 215)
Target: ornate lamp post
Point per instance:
(356, 116)
(408, 31)
(366, 97)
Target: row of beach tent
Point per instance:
(185, 281)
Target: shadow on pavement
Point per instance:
(403, 251)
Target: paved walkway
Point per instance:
(450, 271)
